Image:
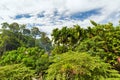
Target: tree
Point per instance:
(5, 25)
(14, 27)
(45, 42)
(26, 31)
(8, 41)
(102, 40)
(68, 37)
(35, 32)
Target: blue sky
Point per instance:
(50, 14)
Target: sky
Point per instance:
(50, 14)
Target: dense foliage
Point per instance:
(74, 53)
(77, 66)
(16, 72)
(15, 35)
(30, 57)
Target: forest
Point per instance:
(72, 53)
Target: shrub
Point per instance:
(30, 57)
(77, 66)
(16, 72)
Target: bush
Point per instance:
(77, 66)
(16, 72)
(30, 57)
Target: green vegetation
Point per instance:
(16, 72)
(74, 53)
(77, 66)
(31, 57)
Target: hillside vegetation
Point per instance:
(74, 53)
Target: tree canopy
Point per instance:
(73, 53)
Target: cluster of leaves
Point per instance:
(78, 66)
(103, 41)
(99, 40)
(68, 37)
(31, 57)
(35, 58)
(16, 72)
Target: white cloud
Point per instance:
(109, 11)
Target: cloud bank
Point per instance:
(49, 14)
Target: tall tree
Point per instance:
(35, 32)
(45, 42)
(5, 25)
(14, 27)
